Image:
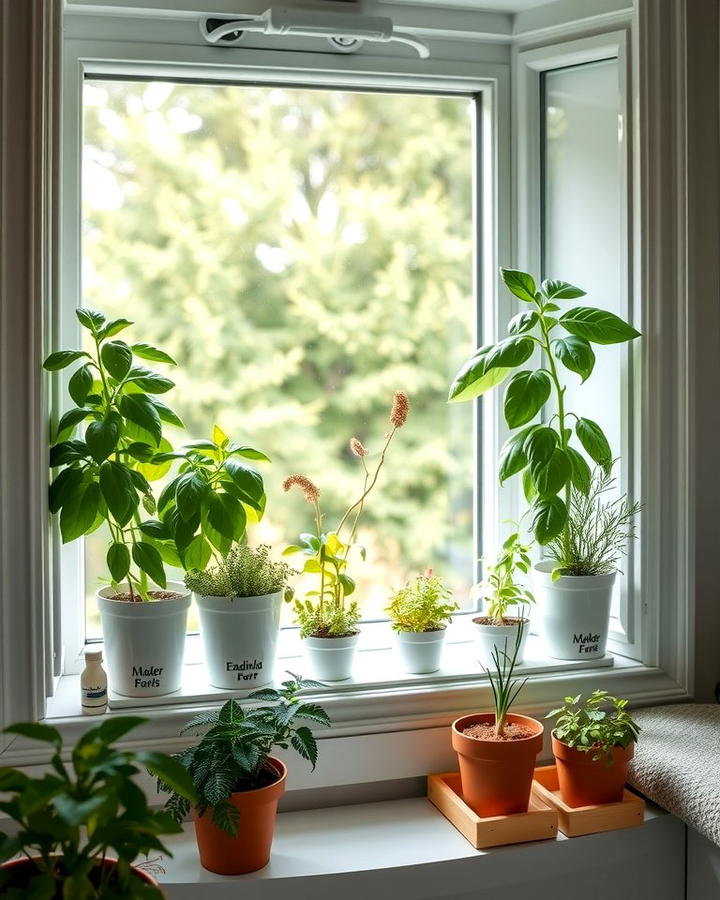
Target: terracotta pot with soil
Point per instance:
(22, 870)
(585, 781)
(250, 850)
(497, 772)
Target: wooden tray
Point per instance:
(579, 820)
(539, 823)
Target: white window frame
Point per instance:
(378, 718)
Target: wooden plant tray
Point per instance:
(579, 820)
(539, 823)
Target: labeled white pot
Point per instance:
(420, 651)
(239, 637)
(144, 642)
(490, 637)
(331, 658)
(574, 612)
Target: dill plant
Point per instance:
(422, 605)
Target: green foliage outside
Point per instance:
(302, 255)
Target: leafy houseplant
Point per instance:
(548, 454)
(500, 591)
(238, 782)
(592, 748)
(239, 600)
(497, 750)
(419, 614)
(325, 614)
(74, 819)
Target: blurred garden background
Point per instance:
(302, 254)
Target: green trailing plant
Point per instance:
(499, 588)
(105, 475)
(505, 688)
(547, 454)
(235, 745)
(325, 612)
(589, 728)
(598, 530)
(242, 572)
(421, 605)
(78, 813)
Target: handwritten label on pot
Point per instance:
(147, 676)
(588, 643)
(247, 670)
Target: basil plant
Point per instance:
(548, 453)
(105, 475)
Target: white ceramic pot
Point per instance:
(574, 612)
(331, 658)
(502, 637)
(239, 637)
(144, 642)
(420, 651)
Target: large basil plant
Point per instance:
(105, 475)
(547, 453)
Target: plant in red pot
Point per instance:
(592, 748)
(497, 750)
(238, 782)
(83, 823)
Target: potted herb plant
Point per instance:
(419, 614)
(82, 825)
(549, 453)
(592, 748)
(495, 629)
(238, 782)
(328, 622)
(497, 750)
(239, 600)
(575, 582)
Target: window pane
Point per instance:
(302, 254)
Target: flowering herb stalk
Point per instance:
(324, 612)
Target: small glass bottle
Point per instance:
(93, 685)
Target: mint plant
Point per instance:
(547, 454)
(589, 728)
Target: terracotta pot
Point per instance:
(496, 776)
(250, 850)
(22, 869)
(587, 782)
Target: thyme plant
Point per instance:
(242, 572)
(500, 588)
(589, 728)
(547, 454)
(421, 605)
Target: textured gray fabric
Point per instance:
(677, 763)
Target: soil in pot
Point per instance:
(250, 850)
(21, 870)
(127, 597)
(584, 781)
(496, 773)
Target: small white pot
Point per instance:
(420, 651)
(144, 642)
(574, 612)
(502, 637)
(331, 658)
(239, 636)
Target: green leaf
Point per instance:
(576, 354)
(149, 381)
(37, 732)
(114, 327)
(551, 476)
(70, 420)
(90, 319)
(171, 772)
(78, 514)
(581, 475)
(510, 353)
(528, 486)
(118, 490)
(118, 561)
(539, 446)
(525, 396)
(248, 481)
(522, 322)
(155, 529)
(67, 452)
(561, 290)
(597, 325)
(102, 437)
(147, 351)
(305, 744)
(189, 493)
(513, 458)
(140, 451)
(198, 553)
(596, 445)
(550, 516)
(148, 560)
(80, 384)
(475, 378)
(116, 356)
(140, 409)
(520, 283)
(77, 812)
(247, 452)
(63, 487)
(225, 514)
(166, 414)
(62, 358)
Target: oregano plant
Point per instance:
(550, 454)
